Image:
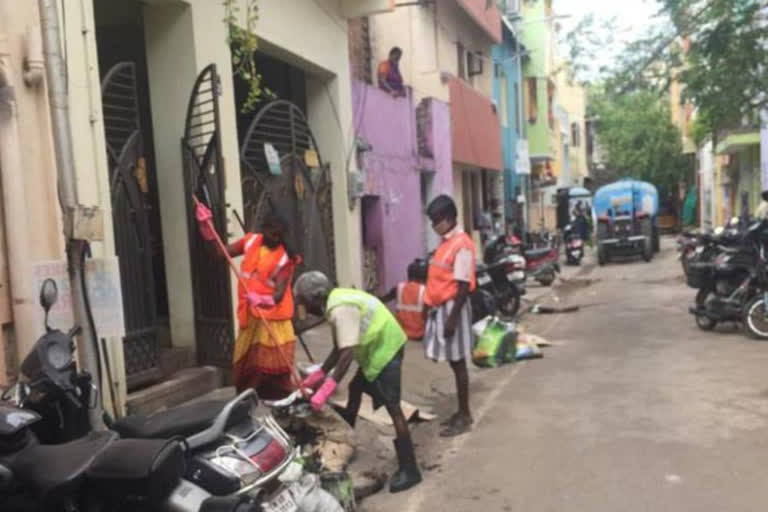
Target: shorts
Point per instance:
(385, 389)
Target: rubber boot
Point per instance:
(408, 473)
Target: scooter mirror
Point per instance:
(49, 294)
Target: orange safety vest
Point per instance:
(441, 285)
(409, 309)
(260, 276)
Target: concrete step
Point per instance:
(179, 388)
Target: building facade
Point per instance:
(507, 91)
(447, 56)
(156, 107)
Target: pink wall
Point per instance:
(394, 221)
(488, 19)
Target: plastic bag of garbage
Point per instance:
(496, 345)
(310, 497)
(527, 350)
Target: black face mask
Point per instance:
(270, 242)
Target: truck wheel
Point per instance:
(656, 240)
(602, 255)
(647, 250)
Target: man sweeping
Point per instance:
(365, 331)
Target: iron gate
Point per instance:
(302, 191)
(203, 176)
(130, 217)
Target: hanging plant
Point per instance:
(244, 42)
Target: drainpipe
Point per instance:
(34, 65)
(14, 209)
(78, 220)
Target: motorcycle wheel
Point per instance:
(704, 322)
(755, 320)
(510, 305)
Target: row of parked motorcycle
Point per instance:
(211, 456)
(508, 264)
(727, 267)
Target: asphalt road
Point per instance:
(633, 409)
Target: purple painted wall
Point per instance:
(394, 222)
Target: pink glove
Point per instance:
(322, 395)
(313, 380)
(204, 217)
(257, 300)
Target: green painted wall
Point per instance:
(536, 36)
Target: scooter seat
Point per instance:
(181, 421)
(55, 472)
(533, 254)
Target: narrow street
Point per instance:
(632, 409)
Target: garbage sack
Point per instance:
(527, 349)
(339, 484)
(310, 497)
(479, 326)
(496, 345)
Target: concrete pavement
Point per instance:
(633, 409)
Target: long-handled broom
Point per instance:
(210, 233)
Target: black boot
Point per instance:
(408, 473)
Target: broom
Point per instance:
(208, 232)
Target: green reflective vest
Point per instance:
(381, 336)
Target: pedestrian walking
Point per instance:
(364, 330)
(448, 332)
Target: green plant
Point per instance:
(244, 42)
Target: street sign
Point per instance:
(523, 164)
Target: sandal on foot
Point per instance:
(462, 425)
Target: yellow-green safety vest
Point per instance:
(381, 336)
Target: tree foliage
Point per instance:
(638, 138)
(244, 42)
(726, 68)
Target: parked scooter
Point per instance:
(729, 285)
(211, 456)
(500, 276)
(574, 246)
(541, 264)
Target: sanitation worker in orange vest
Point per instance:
(260, 361)
(410, 309)
(451, 278)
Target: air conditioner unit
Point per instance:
(512, 7)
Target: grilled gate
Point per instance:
(130, 207)
(203, 176)
(302, 191)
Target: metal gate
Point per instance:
(302, 190)
(130, 209)
(204, 177)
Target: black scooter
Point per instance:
(500, 281)
(210, 456)
(732, 280)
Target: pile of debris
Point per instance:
(500, 341)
